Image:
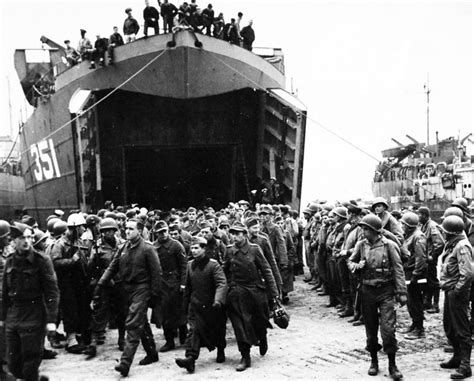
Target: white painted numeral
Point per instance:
(46, 163)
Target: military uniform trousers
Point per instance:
(415, 303)
(74, 307)
(207, 328)
(136, 323)
(456, 324)
(381, 300)
(334, 283)
(344, 275)
(25, 332)
(112, 304)
(309, 254)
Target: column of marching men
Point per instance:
(198, 268)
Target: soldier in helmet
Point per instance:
(415, 272)
(434, 248)
(456, 278)
(205, 295)
(30, 304)
(111, 297)
(461, 203)
(378, 261)
(390, 225)
(69, 256)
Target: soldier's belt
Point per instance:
(376, 282)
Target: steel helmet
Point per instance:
(340, 211)
(92, 219)
(39, 237)
(4, 228)
(51, 222)
(373, 222)
(453, 225)
(121, 216)
(461, 203)
(379, 200)
(108, 223)
(59, 228)
(75, 219)
(453, 211)
(410, 219)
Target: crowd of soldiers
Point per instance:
(365, 259)
(197, 268)
(188, 16)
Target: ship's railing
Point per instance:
(10, 166)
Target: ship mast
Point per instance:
(427, 92)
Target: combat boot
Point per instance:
(149, 359)
(354, 318)
(452, 363)
(48, 354)
(187, 363)
(220, 355)
(263, 345)
(244, 363)
(122, 369)
(417, 333)
(392, 368)
(374, 365)
(461, 373)
(90, 351)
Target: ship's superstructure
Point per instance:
(430, 174)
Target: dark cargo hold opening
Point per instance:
(166, 177)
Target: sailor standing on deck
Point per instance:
(130, 27)
(150, 15)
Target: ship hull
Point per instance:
(185, 131)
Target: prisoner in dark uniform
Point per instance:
(205, 295)
(138, 266)
(69, 255)
(383, 280)
(170, 314)
(29, 304)
(215, 248)
(456, 279)
(247, 305)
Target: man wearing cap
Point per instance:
(205, 295)
(115, 40)
(275, 236)
(218, 233)
(415, 272)
(455, 280)
(130, 27)
(378, 261)
(245, 267)
(173, 261)
(30, 304)
(434, 248)
(287, 274)
(256, 237)
(137, 266)
(84, 47)
(69, 255)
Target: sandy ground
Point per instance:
(317, 345)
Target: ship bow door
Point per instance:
(282, 135)
(86, 149)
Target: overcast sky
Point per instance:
(359, 67)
